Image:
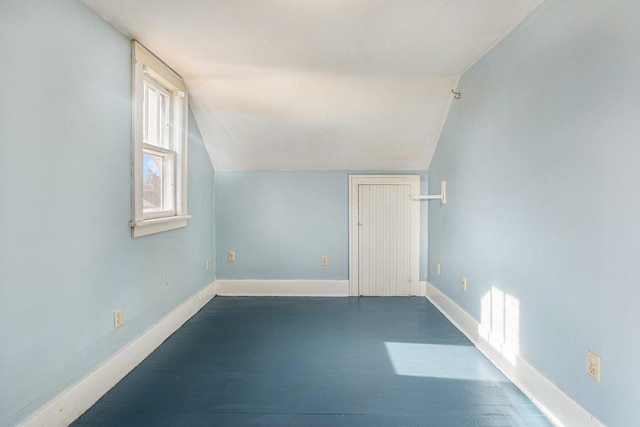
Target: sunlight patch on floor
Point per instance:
(458, 362)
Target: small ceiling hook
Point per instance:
(456, 95)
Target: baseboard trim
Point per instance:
(557, 405)
(422, 290)
(74, 401)
(277, 288)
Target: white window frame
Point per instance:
(147, 67)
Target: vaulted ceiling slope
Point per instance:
(318, 84)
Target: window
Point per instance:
(159, 157)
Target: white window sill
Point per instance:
(151, 226)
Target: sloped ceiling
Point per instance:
(318, 84)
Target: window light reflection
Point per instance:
(458, 362)
(500, 323)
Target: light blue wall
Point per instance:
(280, 224)
(67, 260)
(540, 157)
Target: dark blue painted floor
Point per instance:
(316, 362)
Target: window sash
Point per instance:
(158, 158)
(159, 183)
(156, 126)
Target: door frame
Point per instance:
(414, 262)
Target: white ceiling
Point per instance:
(318, 84)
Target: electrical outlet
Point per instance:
(593, 366)
(207, 264)
(117, 318)
(463, 283)
(438, 269)
(325, 260)
(231, 256)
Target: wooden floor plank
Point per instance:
(316, 361)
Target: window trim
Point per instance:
(146, 64)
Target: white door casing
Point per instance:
(384, 235)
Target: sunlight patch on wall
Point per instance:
(500, 323)
(459, 362)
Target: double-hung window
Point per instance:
(159, 157)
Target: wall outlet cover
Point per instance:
(117, 318)
(593, 365)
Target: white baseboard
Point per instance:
(557, 405)
(277, 288)
(422, 290)
(73, 402)
(70, 404)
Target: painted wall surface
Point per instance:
(67, 260)
(540, 158)
(280, 224)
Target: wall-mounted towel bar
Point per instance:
(442, 197)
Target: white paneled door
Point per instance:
(384, 235)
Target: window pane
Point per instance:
(156, 116)
(163, 120)
(152, 182)
(150, 109)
